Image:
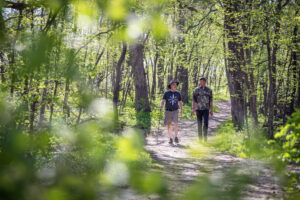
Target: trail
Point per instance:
(181, 168)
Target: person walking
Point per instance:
(172, 101)
(203, 106)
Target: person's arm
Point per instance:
(211, 104)
(180, 106)
(180, 103)
(194, 104)
(162, 103)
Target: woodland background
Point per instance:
(76, 73)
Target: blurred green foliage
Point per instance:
(71, 162)
(289, 136)
(254, 143)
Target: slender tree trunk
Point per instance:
(2, 67)
(153, 89)
(118, 80)
(43, 104)
(52, 101)
(12, 62)
(295, 74)
(33, 108)
(66, 108)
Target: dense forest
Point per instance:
(79, 76)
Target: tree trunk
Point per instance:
(2, 68)
(66, 108)
(12, 62)
(234, 72)
(183, 75)
(272, 70)
(295, 75)
(153, 89)
(116, 91)
(52, 102)
(43, 104)
(118, 75)
(141, 93)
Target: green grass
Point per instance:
(221, 95)
(251, 143)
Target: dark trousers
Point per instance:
(202, 115)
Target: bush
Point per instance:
(289, 137)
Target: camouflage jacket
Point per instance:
(202, 97)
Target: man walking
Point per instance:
(172, 99)
(202, 105)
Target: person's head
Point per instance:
(173, 85)
(202, 81)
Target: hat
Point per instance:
(171, 82)
(202, 78)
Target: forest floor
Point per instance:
(183, 164)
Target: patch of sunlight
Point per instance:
(117, 9)
(129, 146)
(115, 173)
(66, 133)
(200, 149)
(86, 13)
(19, 46)
(159, 27)
(101, 107)
(85, 22)
(135, 27)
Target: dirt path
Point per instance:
(181, 167)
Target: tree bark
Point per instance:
(182, 69)
(234, 71)
(272, 59)
(118, 75)
(52, 101)
(153, 89)
(66, 108)
(141, 92)
(43, 105)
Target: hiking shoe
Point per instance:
(176, 140)
(171, 141)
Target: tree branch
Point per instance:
(91, 39)
(182, 5)
(198, 23)
(16, 5)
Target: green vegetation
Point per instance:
(289, 137)
(81, 83)
(254, 143)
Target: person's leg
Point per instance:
(175, 121)
(176, 129)
(170, 130)
(199, 120)
(168, 123)
(205, 128)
